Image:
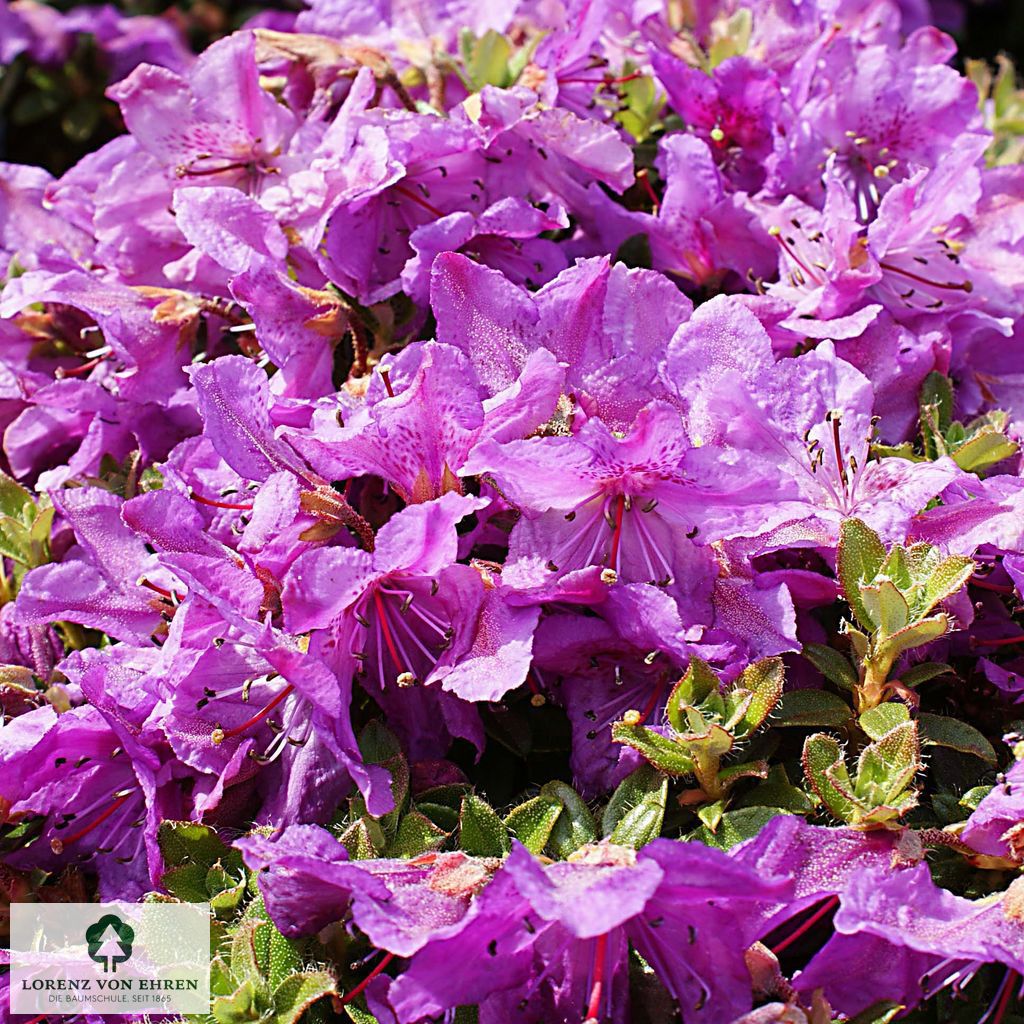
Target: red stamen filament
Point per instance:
(997, 588)
(36, 1020)
(389, 640)
(386, 377)
(214, 503)
(184, 171)
(96, 822)
(594, 1006)
(602, 81)
(620, 509)
(644, 180)
(776, 233)
(839, 453)
(956, 286)
(624, 78)
(533, 683)
(1005, 641)
(81, 371)
(416, 198)
(168, 594)
(1004, 999)
(652, 701)
(358, 990)
(829, 904)
(259, 716)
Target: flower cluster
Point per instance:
(604, 413)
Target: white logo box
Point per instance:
(110, 958)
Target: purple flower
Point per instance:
(218, 125)
(101, 780)
(554, 939)
(421, 420)
(423, 634)
(733, 110)
(308, 882)
(996, 827)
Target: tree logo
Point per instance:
(110, 942)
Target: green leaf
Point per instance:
(924, 672)
(974, 796)
(878, 1013)
(645, 789)
(879, 720)
(665, 754)
(239, 1007)
(635, 251)
(984, 450)
(765, 680)
(896, 568)
(937, 395)
(448, 796)
(575, 826)
(284, 956)
(15, 540)
(187, 842)
(697, 684)
(416, 834)
(711, 814)
(778, 792)
(225, 897)
(359, 1016)
(15, 500)
(888, 766)
(489, 59)
(151, 479)
(816, 708)
(244, 961)
(532, 822)
(364, 839)
(940, 731)
(735, 826)
(916, 635)
(826, 773)
(481, 832)
(949, 577)
(859, 556)
(187, 883)
(379, 746)
(831, 664)
(730, 38)
(885, 606)
(747, 770)
(642, 824)
(443, 817)
(297, 993)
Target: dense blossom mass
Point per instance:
(518, 505)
